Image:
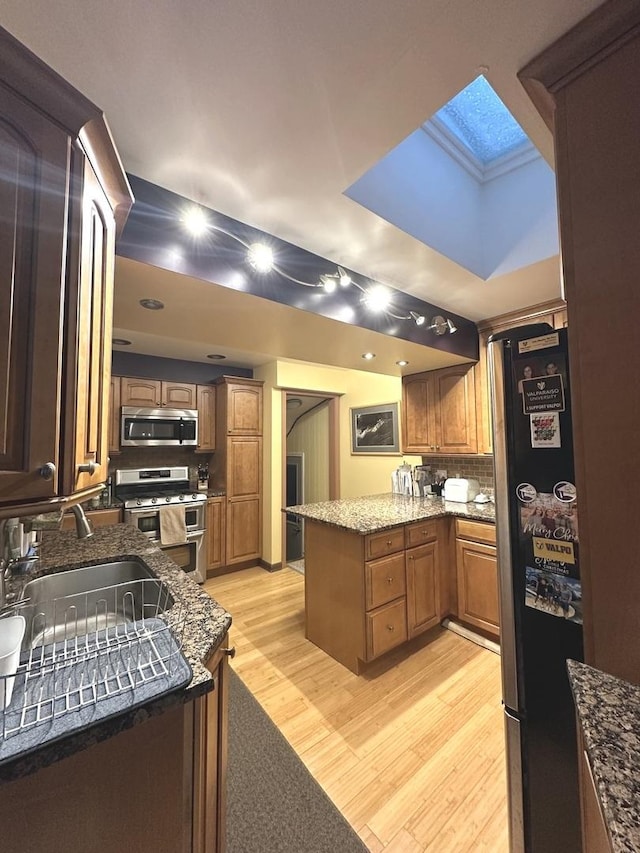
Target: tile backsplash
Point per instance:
(478, 468)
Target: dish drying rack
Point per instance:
(90, 655)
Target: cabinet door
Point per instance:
(477, 575)
(209, 723)
(114, 416)
(34, 171)
(386, 628)
(244, 466)
(385, 580)
(244, 529)
(418, 416)
(244, 409)
(206, 399)
(146, 393)
(215, 533)
(456, 410)
(89, 338)
(178, 395)
(423, 593)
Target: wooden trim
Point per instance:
(270, 567)
(234, 567)
(99, 147)
(594, 38)
(244, 380)
(550, 307)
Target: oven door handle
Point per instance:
(192, 535)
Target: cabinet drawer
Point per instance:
(386, 542)
(478, 531)
(386, 628)
(421, 532)
(385, 580)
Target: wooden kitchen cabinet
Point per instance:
(554, 313)
(477, 575)
(439, 411)
(62, 190)
(237, 466)
(239, 402)
(175, 802)
(206, 405)
(216, 530)
(155, 393)
(365, 595)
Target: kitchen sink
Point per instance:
(91, 599)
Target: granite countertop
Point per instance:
(205, 628)
(609, 713)
(380, 512)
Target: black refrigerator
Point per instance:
(540, 592)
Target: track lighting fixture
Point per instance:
(261, 258)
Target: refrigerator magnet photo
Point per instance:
(545, 430)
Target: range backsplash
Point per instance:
(478, 468)
(159, 457)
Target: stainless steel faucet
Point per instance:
(83, 525)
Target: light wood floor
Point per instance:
(411, 753)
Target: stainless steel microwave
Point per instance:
(158, 427)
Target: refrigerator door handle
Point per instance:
(503, 539)
(515, 787)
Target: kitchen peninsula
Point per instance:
(382, 569)
(152, 773)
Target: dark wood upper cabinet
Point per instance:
(62, 192)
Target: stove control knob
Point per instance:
(167, 499)
(194, 497)
(181, 497)
(138, 502)
(153, 500)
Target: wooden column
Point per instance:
(586, 88)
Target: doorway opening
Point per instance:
(310, 462)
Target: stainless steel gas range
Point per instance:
(146, 492)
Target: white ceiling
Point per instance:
(268, 110)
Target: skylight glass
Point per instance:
(480, 121)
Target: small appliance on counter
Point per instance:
(460, 489)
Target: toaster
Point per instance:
(460, 489)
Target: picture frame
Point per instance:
(375, 430)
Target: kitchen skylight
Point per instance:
(480, 121)
(469, 184)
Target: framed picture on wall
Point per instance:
(375, 429)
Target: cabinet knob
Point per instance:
(389, 580)
(425, 532)
(391, 627)
(88, 468)
(48, 470)
(411, 556)
(389, 543)
(437, 447)
(231, 653)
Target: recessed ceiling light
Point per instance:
(216, 356)
(121, 342)
(152, 304)
(368, 355)
(402, 363)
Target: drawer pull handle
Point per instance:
(230, 652)
(391, 627)
(389, 580)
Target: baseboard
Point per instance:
(270, 567)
